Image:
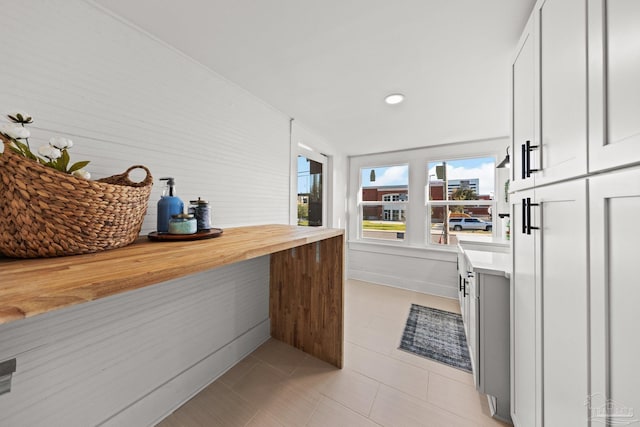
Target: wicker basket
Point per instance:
(48, 213)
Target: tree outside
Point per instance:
(462, 194)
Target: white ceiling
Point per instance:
(329, 63)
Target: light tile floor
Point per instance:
(380, 385)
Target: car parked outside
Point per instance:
(458, 224)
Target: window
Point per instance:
(383, 204)
(395, 197)
(461, 200)
(310, 191)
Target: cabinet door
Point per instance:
(466, 303)
(523, 107)
(562, 273)
(473, 320)
(492, 297)
(462, 272)
(524, 306)
(614, 201)
(562, 152)
(614, 67)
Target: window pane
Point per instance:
(467, 179)
(309, 192)
(388, 185)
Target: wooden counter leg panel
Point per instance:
(306, 298)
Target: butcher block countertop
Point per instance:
(35, 286)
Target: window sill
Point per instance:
(441, 254)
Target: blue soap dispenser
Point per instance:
(168, 205)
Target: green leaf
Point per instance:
(78, 165)
(24, 149)
(64, 161)
(22, 146)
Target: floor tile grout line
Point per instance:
(373, 401)
(242, 376)
(349, 409)
(390, 357)
(390, 386)
(406, 362)
(459, 414)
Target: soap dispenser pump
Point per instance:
(168, 205)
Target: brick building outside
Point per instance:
(399, 193)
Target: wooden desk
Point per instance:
(306, 279)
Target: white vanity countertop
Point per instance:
(488, 257)
(490, 262)
(484, 241)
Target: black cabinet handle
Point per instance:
(530, 147)
(464, 287)
(526, 216)
(460, 283)
(526, 159)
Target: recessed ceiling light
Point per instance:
(394, 98)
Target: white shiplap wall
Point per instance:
(126, 98)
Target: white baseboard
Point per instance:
(441, 290)
(177, 391)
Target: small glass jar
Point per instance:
(202, 211)
(182, 224)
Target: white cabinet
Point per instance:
(525, 302)
(562, 42)
(562, 266)
(549, 306)
(614, 86)
(614, 201)
(492, 345)
(549, 83)
(484, 301)
(574, 300)
(523, 108)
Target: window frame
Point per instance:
(429, 204)
(402, 205)
(418, 160)
(323, 159)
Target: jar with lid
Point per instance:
(182, 224)
(202, 212)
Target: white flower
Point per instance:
(16, 131)
(60, 142)
(49, 152)
(81, 173)
(20, 117)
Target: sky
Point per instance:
(303, 175)
(390, 175)
(481, 168)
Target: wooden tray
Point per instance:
(166, 237)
